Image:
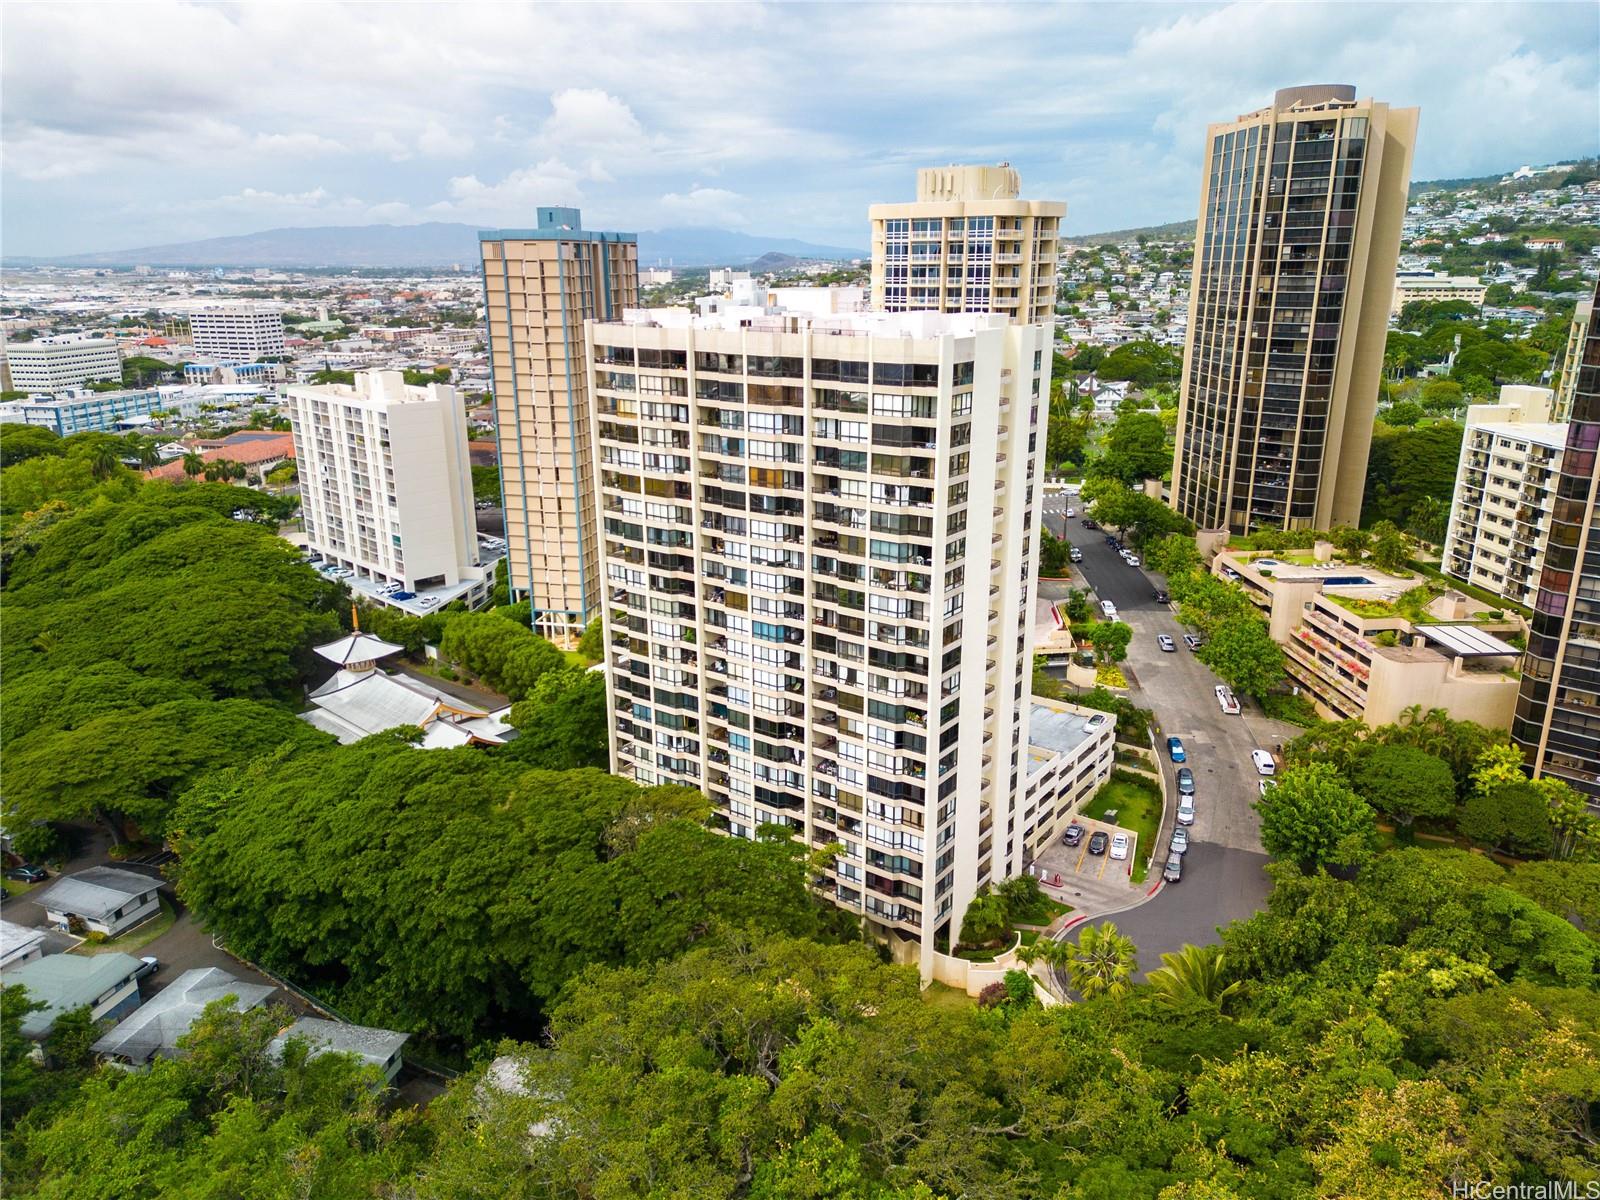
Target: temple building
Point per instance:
(361, 700)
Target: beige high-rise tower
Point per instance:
(1301, 204)
(967, 244)
(540, 285)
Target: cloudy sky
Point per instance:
(130, 124)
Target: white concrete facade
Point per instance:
(1436, 286)
(236, 333)
(801, 621)
(1505, 488)
(385, 479)
(50, 364)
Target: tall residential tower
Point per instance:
(1301, 204)
(818, 553)
(967, 244)
(1558, 712)
(540, 285)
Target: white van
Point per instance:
(1228, 701)
(1108, 610)
(1264, 762)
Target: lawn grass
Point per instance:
(942, 995)
(574, 659)
(15, 887)
(135, 939)
(1138, 807)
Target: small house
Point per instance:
(19, 944)
(100, 900)
(375, 1047)
(155, 1029)
(107, 984)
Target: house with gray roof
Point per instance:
(155, 1029)
(375, 1047)
(100, 900)
(107, 984)
(19, 944)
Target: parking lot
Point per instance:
(1091, 882)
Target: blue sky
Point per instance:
(132, 124)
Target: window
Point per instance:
(906, 374)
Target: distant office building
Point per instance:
(53, 363)
(217, 373)
(1558, 712)
(1505, 488)
(818, 560)
(969, 244)
(83, 412)
(1437, 286)
(655, 276)
(236, 333)
(1301, 206)
(540, 285)
(385, 484)
(1572, 360)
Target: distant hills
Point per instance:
(432, 244)
(1156, 233)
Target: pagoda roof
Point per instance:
(358, 647)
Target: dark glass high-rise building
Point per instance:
(1558, 711)
(1300, 212)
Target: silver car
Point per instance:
(1180, 840)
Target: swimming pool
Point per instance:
(1348, 580)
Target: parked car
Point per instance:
(1263, 762)
(1173, 871)
(148, 965)
(429, 602)
(1095, 722)
(1097, 842)
(1073, 835)
(1074, 555)
(1135, 561)
(1088, 524)
(1166, 643)
(1186, 810)
(1175, 749)
(1185, 781)
(1108, 610)
(402, 595)
(1119, 846)
(1228, 701)
(1180, 840)
(28, 873)
(1192, 641)
(1229, 573)
(1162, 597)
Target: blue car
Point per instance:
(1175, 749)
(402, 595)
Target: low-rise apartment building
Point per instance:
(83, 412)
(1071, 752)
(1359, 643)
(817, 545)
(52, 363)
(1505, 489)
(386, 485)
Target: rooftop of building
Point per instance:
(376, 386)
(374, 1046)
(555, 224)
(359, 701)
(63, 982)
(94, 892)
(1540, 433)
(761, 319)
(156, 1026)
(17, 939)
(1058, 729)
(250, 447)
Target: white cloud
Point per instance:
(518, 193)
(703, 206)
(436, 141)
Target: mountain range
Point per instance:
(432, 244)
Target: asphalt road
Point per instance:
(1223, 877)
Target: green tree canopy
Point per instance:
(1404, 783)
(1313, 818)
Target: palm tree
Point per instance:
(103, 460)
(1192, 975)
(193, 464)
(1102, 963)
(148, 452)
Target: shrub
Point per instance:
(993, 996)
(37, 842)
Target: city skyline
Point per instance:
(409, 118)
